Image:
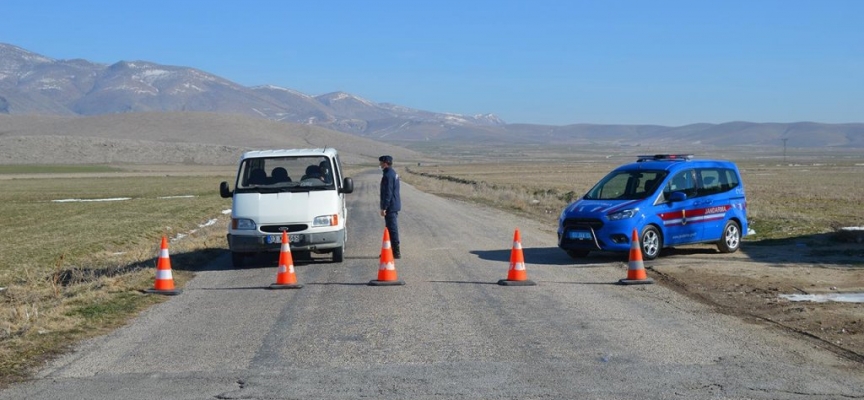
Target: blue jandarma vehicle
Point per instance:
(669, 199)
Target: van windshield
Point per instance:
(626, 185)
(285, 174)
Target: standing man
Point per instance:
(391, 204)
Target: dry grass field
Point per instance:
(795, 209)
(74, 269)
(78, 246)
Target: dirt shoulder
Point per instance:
(748, 284)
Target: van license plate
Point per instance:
(278, 238)
(579, 235)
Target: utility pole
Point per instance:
(784, 149)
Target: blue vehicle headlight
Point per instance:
(623, 214)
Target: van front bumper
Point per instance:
(307, 242)
(611, 237)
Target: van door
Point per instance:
(715, 191)
(338, 177)
(676, 210)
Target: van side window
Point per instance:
(337, 171)
(728, 180)
(681, 182)
(716, 180)
(710, 178)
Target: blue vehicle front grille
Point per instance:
(594, 223)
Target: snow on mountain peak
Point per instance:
(340, 96)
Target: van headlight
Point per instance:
(242, 224)
(326, 220)
(623, 214)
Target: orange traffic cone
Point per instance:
(635, 270)
(517, 276)
(164, 283)
(387, 275)
(285, 277)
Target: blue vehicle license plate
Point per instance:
(579, 235)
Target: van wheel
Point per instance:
(338, 254)
(577, 254)
(731, 240)
(651, 242)
(237, 259)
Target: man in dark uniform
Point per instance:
(391, 204)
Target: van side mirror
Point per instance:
(347, 186)
(223, 190)
(677, 196)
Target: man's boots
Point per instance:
(396, 252)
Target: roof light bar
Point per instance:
(665, 157)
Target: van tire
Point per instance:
(730, 242)
(338, 254)
(577, 254)
(650, 242)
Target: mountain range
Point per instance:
(33, 84)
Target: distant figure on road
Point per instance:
(391, 204)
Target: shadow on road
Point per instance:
(550, 256)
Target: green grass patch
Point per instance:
(117, 307)
(73, 270)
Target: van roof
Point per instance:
(327, 151)
(664, 157)
(675, 165)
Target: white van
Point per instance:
(301, 191)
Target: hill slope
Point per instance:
(169, 138)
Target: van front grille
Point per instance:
(289, 228)
(594, 223)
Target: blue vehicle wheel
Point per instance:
(731, 239)
(651, 241)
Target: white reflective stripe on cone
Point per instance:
(163, 253)
(162, 274)
(517, 245)
(390, 266)
(519, 266)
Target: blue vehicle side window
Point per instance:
(710, 178)
(728, 180)
(717, 180)
(683, 182)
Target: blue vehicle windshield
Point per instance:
(626, 185)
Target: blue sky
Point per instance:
(549, 62)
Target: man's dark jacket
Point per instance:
(390, 191)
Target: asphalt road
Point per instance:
(449, 332)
